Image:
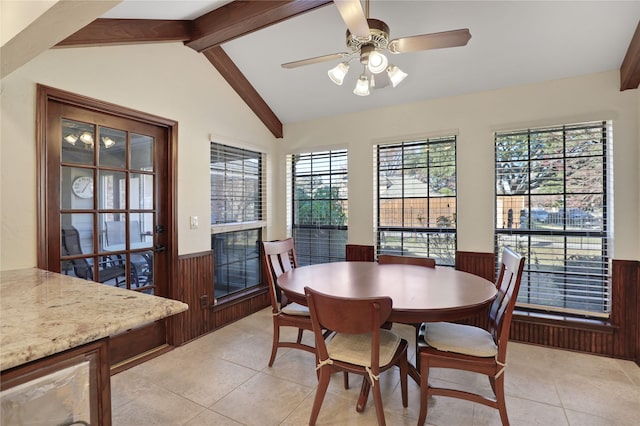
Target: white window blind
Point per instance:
(416, 198)
(237, 218)
(552, 207)
(236, 185)
(319, 205)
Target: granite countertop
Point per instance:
(43, 313)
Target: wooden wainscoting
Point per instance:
(358, 253)
(195, 288)
(481, 264)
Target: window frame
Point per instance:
(307, 250)
(236, 227)
(525, 237)
(429, 231)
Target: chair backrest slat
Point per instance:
(278, 257)
(386, 259)
(501, 310)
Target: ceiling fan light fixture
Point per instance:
(86, 138)
(71, 138)
(378, 62)
(362, 86)
(108, 142)
(337, 73)
(396, 75)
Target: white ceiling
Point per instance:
(512, 43)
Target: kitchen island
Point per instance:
(54, 334)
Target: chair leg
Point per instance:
(377, 399)
(276, 339)
(346, 379)
(299, 340)
(417, 353)
(323, 384)
(404, 371)
(424, 390)
(364, 395)
(502, 406)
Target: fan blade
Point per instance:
(430, 41)
(353, 16)
(315, 60)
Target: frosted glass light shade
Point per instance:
(362, 86)
(337, 73)
(396, 75)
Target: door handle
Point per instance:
(158, 248)
(160, 229)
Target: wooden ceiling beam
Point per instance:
(103, 32)
(230, 72)
(239, 18)
(630, 69)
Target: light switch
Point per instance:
(193, 222)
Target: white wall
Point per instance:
(474, 118)
(168, 80)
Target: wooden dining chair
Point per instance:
(278, 258)
(358, 346)
(428, 262)
(385, 259)
(465, 347)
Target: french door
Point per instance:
(106, 216)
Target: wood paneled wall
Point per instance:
(194, 280)
(194, 286)
(356, 253)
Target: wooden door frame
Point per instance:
(45, 94)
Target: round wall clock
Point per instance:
(82, 186)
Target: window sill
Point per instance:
(564, 321)
(238, 226)
(225, 302)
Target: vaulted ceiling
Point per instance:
(512, 43)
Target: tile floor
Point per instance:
(223, 379)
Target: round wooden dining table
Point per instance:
(419, 294)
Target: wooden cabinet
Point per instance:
(68, 388)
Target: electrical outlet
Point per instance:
(193, 222)
(204, 301)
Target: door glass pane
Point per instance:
(112, 270)
(76, 234)
(113, 229)
(141, 152)
(141, 230)
(141, 191)
(142, 269)
(111, 189)
(77, 142)
(76, 188)
(112, 148)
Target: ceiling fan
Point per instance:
(368, 39)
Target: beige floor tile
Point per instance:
(211, 418)
(577, 418)
(337, 410)
(616, 402)
(296, 366)
(263, 400)
(201, 380)
(155, 406)
(521, 412)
